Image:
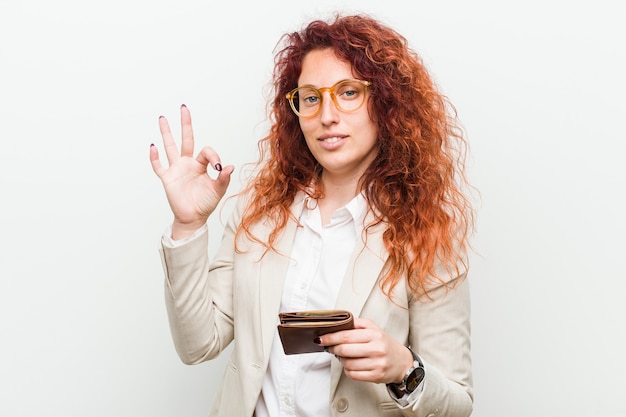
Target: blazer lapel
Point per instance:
(273, 271)
(367, 263)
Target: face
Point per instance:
(344, 143)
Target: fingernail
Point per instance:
(183, 105)
(218, 166)
(160, 117)
(317, 340)
(152, 145)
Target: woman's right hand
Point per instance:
(192, 194)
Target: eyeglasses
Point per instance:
(348, 96)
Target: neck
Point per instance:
(337, 193)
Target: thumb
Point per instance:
(223, 178)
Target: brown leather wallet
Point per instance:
(298, 329)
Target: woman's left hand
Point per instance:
(367, 353)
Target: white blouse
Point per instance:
(319, 261)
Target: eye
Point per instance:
(349, 91)
(312, 99)
(309, 96)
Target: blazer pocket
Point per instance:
(232, 367)
(390, 408)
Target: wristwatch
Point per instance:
(413, 380)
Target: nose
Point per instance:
(329, 113)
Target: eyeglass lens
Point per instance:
(347, 95)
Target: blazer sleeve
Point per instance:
(440, 335)
(198, 295)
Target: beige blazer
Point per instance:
(237, 296)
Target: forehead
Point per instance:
(322, 68)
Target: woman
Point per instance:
(356, 205)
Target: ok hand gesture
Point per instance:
(192, 194)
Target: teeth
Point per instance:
(332, 140)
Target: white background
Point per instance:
(539, 87)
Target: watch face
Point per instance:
(414, 379)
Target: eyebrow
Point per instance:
(335, 83)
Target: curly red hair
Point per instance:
(414, 186)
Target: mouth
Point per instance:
(332, 139)
(332, 142)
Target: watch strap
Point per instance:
(411, 385)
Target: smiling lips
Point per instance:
(331, 142)
(331, 139)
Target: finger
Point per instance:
(223, 179)
(356, 364)
(155, 162)
(168, 140)
(365, 375)
(207, 155)
(186, 147)
(361, 323)
(346, 337)
(352, 350)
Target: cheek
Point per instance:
(367, 121)
(307, 130)
(372, 132)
